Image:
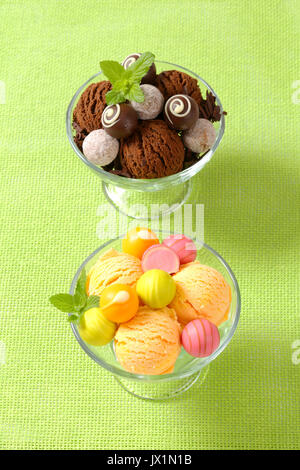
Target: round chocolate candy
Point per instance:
(150, 75)
(100, 148)
(119, 120)
(181, 112)
(152, 105)
(200, 137)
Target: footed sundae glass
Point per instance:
(161, 196)
(188, 370)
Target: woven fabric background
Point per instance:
(51, 394)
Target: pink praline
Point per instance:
(200, 337)
(183, 246)
(160, 257)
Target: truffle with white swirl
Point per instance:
(150, 76)
(181, 112)
(119, 120)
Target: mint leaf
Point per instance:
(80, 295)
(126, 82)
(92, 301)
(73, 318)
(112, 70)
(135, 93)
(81, 283)
(114, 97)
(140, 67)
(78, 303)
(122, 85)
(63, 302)
(79, 300)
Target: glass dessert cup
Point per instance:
(159, 196)
(188, 370)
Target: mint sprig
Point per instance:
(75, 304)
(126, 82)
(112, 70)
(140, 67)
(136, 94)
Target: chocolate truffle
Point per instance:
(150, 75)
(152, 104)
(119, 120)
(200, 137)
(181, 112)
(88, 111)
(173, 82)
(153, 151)
(100, 148)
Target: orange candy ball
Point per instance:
(119, 303)
(138, 240)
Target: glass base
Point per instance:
(153, 205)
(156, 391)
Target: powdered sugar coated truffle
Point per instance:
(200, 137)
(100, 148)
(152, 105)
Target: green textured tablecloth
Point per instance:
(51, 394)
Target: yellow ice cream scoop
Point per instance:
(150, 342)
(201, 292)
(95, 329)
(113, 267)
(156, 288)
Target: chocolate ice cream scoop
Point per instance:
(90, 106)
(173, 82)
(79, 136)
(153, 151)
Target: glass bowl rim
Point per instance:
(171, 376)
(139, 183)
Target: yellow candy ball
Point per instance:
(95, 329)
(156, 288)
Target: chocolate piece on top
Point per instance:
(150, 76)
(181, 112)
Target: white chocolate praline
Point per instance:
(152, 105)
(100, 148)
(178, 106)
(200, 137)
(130, 59)
(110, 115)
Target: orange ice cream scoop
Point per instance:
(111, 268)
(149, 344)
(201, 292)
